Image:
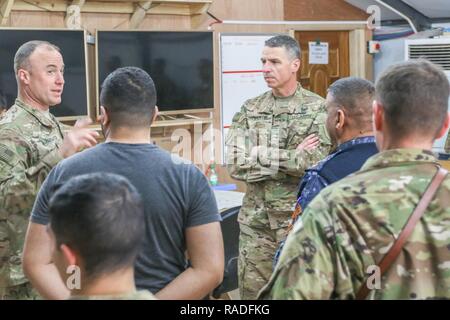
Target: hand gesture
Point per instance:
(78, 138)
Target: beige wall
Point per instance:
(223, 9)
(322, 10)
(262, 10)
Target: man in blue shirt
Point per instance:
(349, 124)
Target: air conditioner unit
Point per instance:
(438, 52)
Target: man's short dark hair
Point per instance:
(129, 94)
(101, 216)
(414, 96)
(289, 43)
(21, 58)
(355, 95)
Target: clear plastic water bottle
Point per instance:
(213, 178)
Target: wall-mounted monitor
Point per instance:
(74, 101)
(180, 63)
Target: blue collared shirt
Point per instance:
(346, 159)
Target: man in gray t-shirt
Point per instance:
(181, 214)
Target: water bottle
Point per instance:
(213, 178)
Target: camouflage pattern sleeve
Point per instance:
(291, 161)
(261, 144)
(19, 184)
(20, 181)
(312, 264)
(238, 142)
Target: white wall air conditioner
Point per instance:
(438, 52)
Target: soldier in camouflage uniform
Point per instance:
(350, 226)
(97, 224)
(265, 149)
(31, 143)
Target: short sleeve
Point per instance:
(203, 207)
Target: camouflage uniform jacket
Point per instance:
(351, 225)
(261, 150)
(29, 141)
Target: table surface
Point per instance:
(228, 199)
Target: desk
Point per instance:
(228, 199)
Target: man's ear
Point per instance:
(155, 114)
(23, 75)
(69, 255)
(378, 115)
(104, 116)
(445, 126)
(341, 119)
(295, 65)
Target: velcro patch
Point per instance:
(6, 154)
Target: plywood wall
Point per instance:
(259, 10)
(93, 21)
(307, 10)
(223, 9)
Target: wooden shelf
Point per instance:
(180, 122)
(157, 7)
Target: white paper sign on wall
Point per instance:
(318, 52)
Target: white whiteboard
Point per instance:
(241, 74)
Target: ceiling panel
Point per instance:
(431, 8)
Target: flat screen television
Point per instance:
(180, 63)
(74, 100)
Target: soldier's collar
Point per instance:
(269, 107)
(399, 157)
(40, 116)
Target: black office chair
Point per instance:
(230, 234)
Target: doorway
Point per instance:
(318, 77)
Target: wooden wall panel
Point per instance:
(93, 21)
(223, 9)
(321, 10)
(36, 19)
(248, 9)
(111, 21)
(262, 10)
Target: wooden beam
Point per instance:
(73, 15)
(5, 9)
(164, 7)
(139, 14)
(200, 8)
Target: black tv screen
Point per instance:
(74, 100)
(180, 63)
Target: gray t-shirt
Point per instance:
(176, 196)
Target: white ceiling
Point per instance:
(429, 8)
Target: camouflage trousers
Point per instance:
(20, 292)
(257, 248)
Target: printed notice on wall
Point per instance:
(318, 52)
